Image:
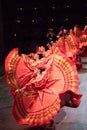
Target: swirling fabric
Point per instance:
(41, 86)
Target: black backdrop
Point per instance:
(25, 22)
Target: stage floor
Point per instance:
(67, 119)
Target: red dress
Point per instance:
(74, 45)
(41, 86)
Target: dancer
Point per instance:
(41, 86)
(51, 36)
(62, 32)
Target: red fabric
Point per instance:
(36, 84)
(43, 82)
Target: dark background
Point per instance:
(24, 23)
